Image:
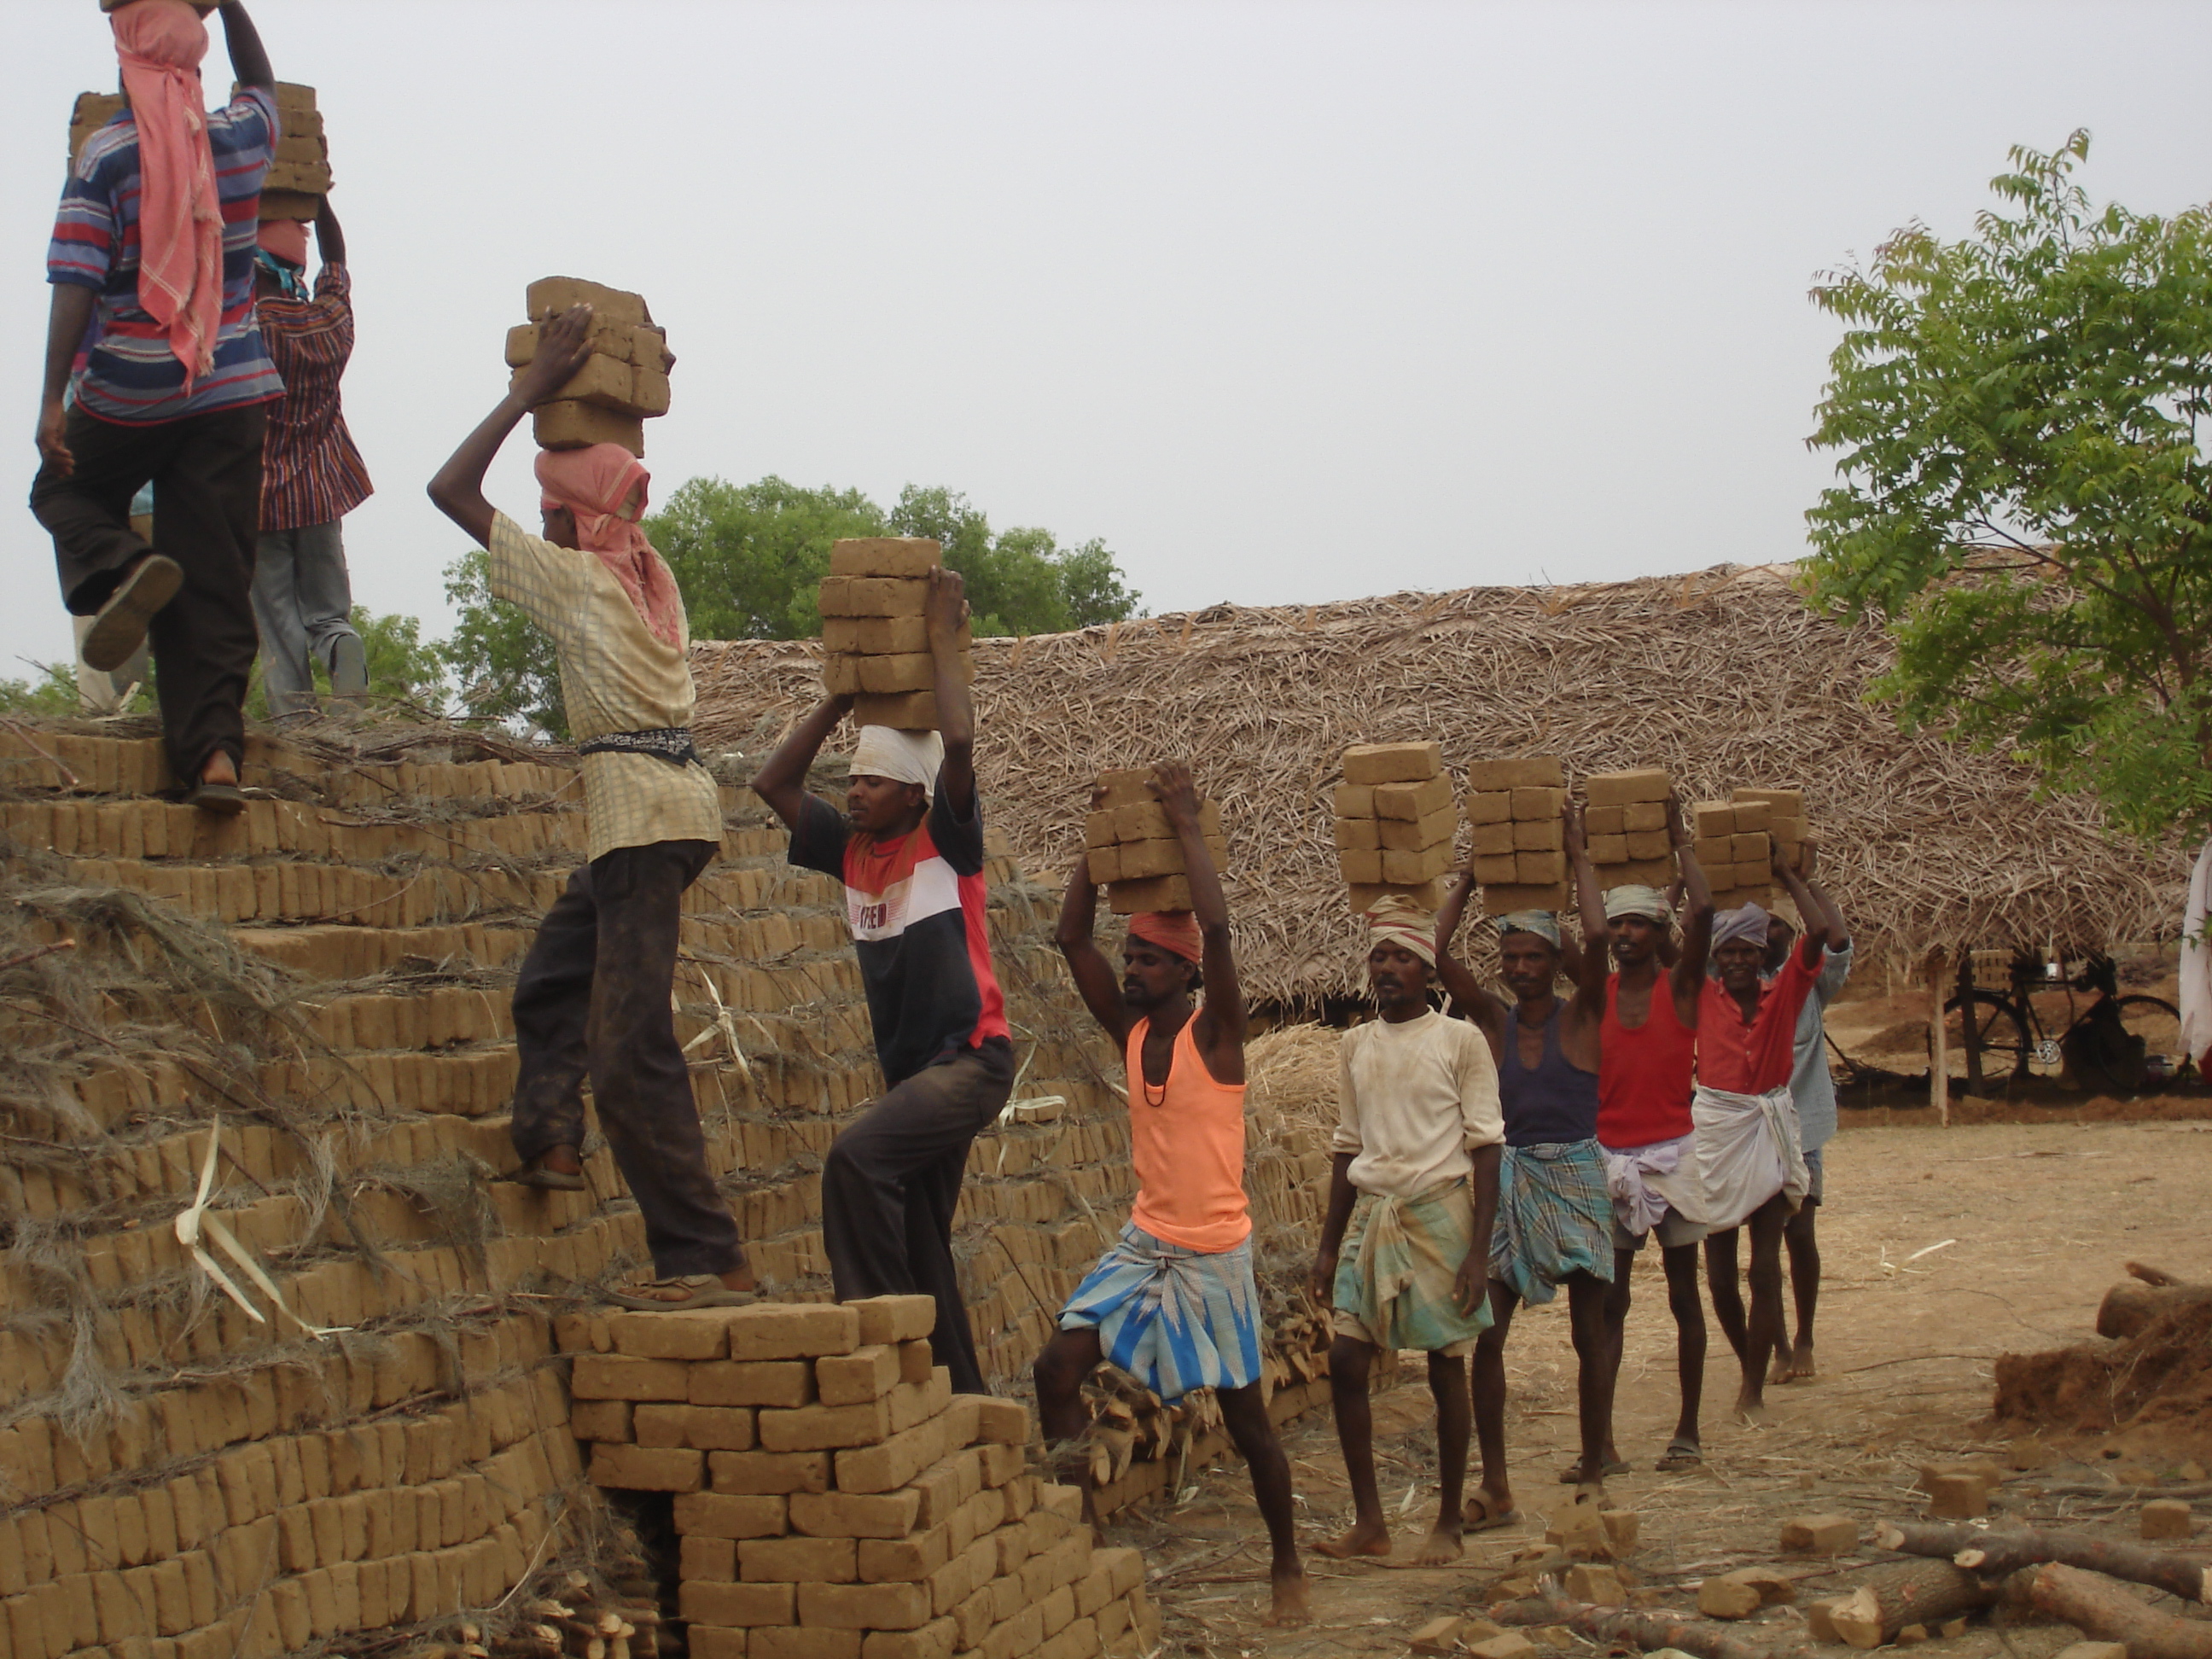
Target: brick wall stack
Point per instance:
(834, 1498)
(1131, 847)
(1625, 818)
(621, 385)
(300, 175)
(1734, 850)
(1395, 815)
(875, 631)
(1519, 844)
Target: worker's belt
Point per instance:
(670, 743)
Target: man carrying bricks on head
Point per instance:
(593, 995)
(1554, 1210)
(1647, 1059)
(1405, 1246)
(1813, 1090)
(1174, 1302)
(1749, 1157)
(909, 848)
(152, 269)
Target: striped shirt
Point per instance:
(311, 473)
(130, 374)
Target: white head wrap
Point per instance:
(1542, 923)
(885, 751)
(1746, 925)
(1634, 900)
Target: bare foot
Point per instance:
(1750, 1408)
(1440, 1546)
(1800, 1363)
(561, 1160)
(220, 769)
(1293, 1597)
(1365, 1538)
(739, 1277)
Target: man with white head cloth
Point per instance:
(909, 848)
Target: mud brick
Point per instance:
(1503, 898)
(1408, 834)
(1957, 1497)
(873, 596)
(1147, 820)
(616, 1377)
(915, 1402)
(737, 1606)
(1531, 805)
(1503, 869)
(834, 1605)
(1715, 852)
(1606, 820)
(1649, 844)
(1712, 820)
(1103, 864)
(1360, 866)
(1820, 1535)
(784, 1382)
(798, 1641)
(1392, 762)
(910, 1559)
(712, 1642)
(759, 1474)
(1749, 847)
(797, 1561)
(910, 672)
(1539, 836)
(1358, 835)
(1354, 800)
(841, 674)
(824, 1428)
(1059, 1609)
(572, 424)
(1751, 815)
(714, 1428)
(2162, 1517)
(890, 1466)
(549, 296)
(1490, 841)
(856, 1515)
(1015, 1636)
(1122, 787)
(1099, 830)
(1489, 806)
(916, 1359)
(1414, 800)
(1781, 803)
(784, 1330)
(1646, 872)
(943, 1487)
(682, 1335)
(1140, 860)
(1533, 772)
(1002, 1422)
(1539, 869)
(909, 711)
(713, 1559)
(724, 1514)
(1411, 869)
(607, 381)
(1620, 788)
(881, 636)
(934, 1640)
(1606, 849)
(908, 557)
(1127, 898)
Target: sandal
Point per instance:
(118, 627)
(700, 1291)
(1681, 1454)
(225, 799)
(1572, 1474)
(1479, 1516)
(535, 1174)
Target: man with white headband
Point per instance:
(1554, 1209)
(1647, 1051)
(1412, 1197)
(1749, 1157)
(909, 848)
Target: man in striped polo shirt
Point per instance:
(152, 269)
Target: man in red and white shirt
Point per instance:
(909, 848)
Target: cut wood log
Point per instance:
(2133, 1302)
(2102, 1609)
(1646, 1631)
(1910, 1593)
(1996, 1554)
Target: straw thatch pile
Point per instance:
(1724, 678)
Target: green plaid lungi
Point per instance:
(1554, 1218)
(1397, 1269)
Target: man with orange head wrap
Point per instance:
(1174, 1303)
(593, 995)
(156, 373)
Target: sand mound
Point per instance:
(2161, 1374)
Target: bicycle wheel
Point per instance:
(2158, 1023)
(2004, 1047)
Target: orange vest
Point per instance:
(1187, 1142)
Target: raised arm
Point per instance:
(249, 58)
(1223, 1036)
(1824, 922)
(1688, 974)
(1589, 963)
(458, 489)
(782, 780)
(1455, 976)
(329, 240)
(955, 708)
(1094, 975)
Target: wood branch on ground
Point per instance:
(2148, 1292)
(1995, 1554)
(1926, 1593)
(1648, 1630)
(2106, 1612)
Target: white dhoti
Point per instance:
(1748, 1149)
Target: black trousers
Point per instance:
(206, 474)
(891, 1183)
(592, 1000)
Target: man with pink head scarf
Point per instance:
(593, 996)
(155, 372)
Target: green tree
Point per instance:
(749, 557)
(503, 662)
(403, 666)
(52, 692)
(2023, 496)
(1020, 581)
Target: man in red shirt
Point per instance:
(1748, 1154)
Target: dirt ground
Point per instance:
(1942, 1249)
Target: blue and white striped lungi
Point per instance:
(1173, 1319)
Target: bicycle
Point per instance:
(2124, 1043)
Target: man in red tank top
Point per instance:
(1174, 1302)
(1647, 1053)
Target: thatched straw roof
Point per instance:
(1725, 677)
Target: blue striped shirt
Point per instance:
(127, 371)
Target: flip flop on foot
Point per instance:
(535, 1174)
(1572, 1474)
(674, 1295)
(1483, 1516)
(119, 627)
(225, 799)
(1682, 1453)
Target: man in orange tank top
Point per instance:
(1174, 1303)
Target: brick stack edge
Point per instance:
(254, 1488)
(835, 1499)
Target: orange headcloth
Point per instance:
(1171, 930)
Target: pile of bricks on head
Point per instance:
(834, 1498)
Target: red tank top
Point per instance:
(1644, 1076)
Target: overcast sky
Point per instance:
(1287, 302)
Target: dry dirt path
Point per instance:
(2034, 1222)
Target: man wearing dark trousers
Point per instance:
(152, 269)
(909, 848)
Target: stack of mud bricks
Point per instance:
(835, 1499)
(1134, 850)
(1513, 811)
(621, 383)
(875, 631)
(299, 176)
(1734, 851)
(1395, 820)
(1786, 826)
(1625, 827)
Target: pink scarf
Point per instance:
(592, 485)
(160, 43)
